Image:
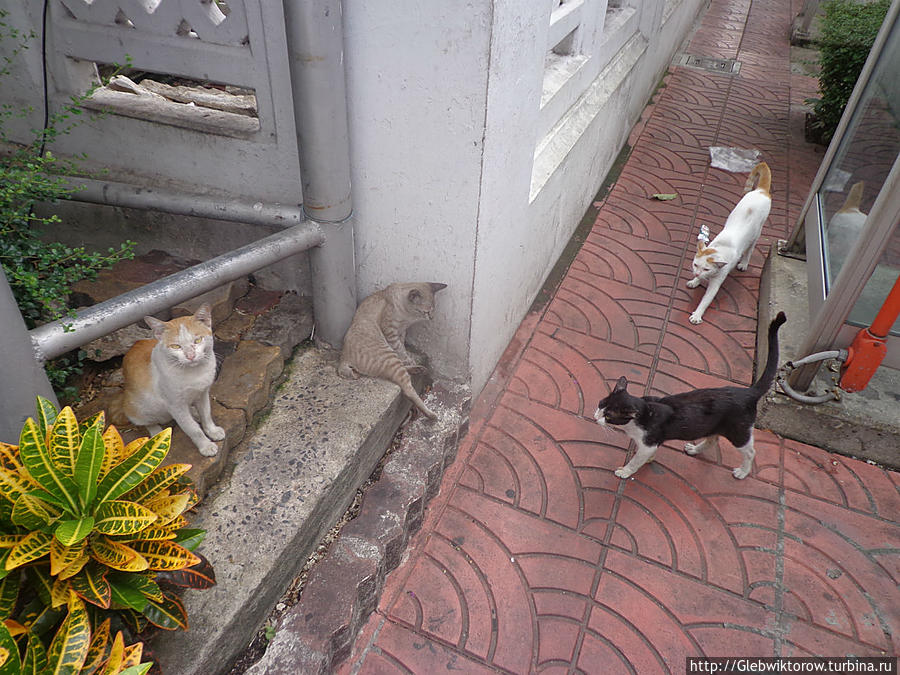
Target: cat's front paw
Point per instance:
(696, 318)
(209, 449)
(693, 283)
(740, 472)
(215, 433)
(624, 472)
(691, 448)
(742, 266)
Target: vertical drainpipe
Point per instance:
(22, 376)
(315, 43)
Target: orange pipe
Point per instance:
(888, 313)
(870, 345)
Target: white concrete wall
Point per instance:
(458, 174)
(416, 83)
(531, 202)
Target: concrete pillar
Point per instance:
(22, 378)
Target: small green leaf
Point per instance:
(70, 532)
(88, 463)
(664, 197)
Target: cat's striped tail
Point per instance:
(761, 386)
(762, 176)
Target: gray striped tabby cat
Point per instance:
(374, 343)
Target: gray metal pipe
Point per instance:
(183, 204)
(21, 376)
(315, 43)
(51, 340)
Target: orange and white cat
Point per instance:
(734, 245)
(843, 230)
(168, 376)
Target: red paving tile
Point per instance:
(535, 557)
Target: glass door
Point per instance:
(851, 216)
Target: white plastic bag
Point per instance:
(736, 160)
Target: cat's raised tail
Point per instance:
(762, 175)
(761, 386)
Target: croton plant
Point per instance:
(91, 530)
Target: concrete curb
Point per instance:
(291, 481)
(344, 588)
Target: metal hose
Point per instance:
(787, 368)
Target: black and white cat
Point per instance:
(701, 415)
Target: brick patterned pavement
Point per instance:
(535, 557)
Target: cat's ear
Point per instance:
(204, 315)
(620, 384)
(435, 287)
(155, 325)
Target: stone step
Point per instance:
(256, 330)
(292, 480)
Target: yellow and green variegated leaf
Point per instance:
(132, 656)
(38, 576)
(75, 566)
(98, 649)
(32, 547)
(118, 517)
(9, 594)
(179, 523)
(142, 584)
(115, 449)
(98, 419)
(70, 645)
(40, 618)
(157, 481)
(168, 507)
(151, 534)
(62, 556)
(9, 457)
(35, 662)
(59, 593)
(10, 663)
(13, 485)
(36, 458)
(135, 468)
(193, 499)
(91, 585)
(88, 462)
(46, 414)
(114, 663)
(63, 441)
(33, 513)
(10, 540)
(165, 555)
(118, 556)
(70, 532)
(167, 613)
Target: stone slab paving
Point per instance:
(534, 557)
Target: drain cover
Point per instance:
(708, 63)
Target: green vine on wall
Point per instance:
(41, 271)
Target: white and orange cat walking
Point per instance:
(734, 245)
(167, 376)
